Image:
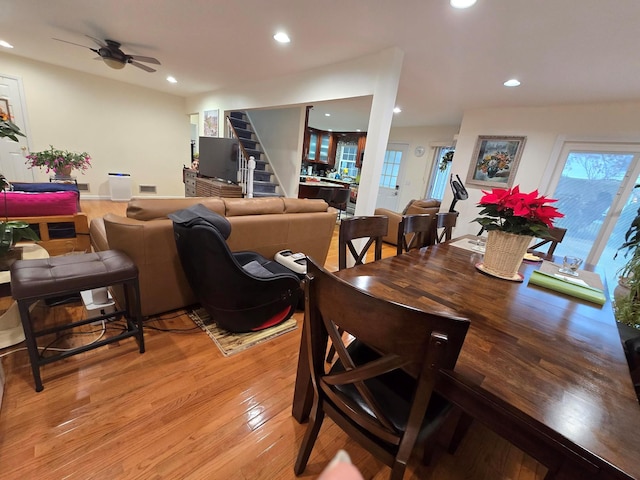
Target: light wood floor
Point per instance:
(182, 410)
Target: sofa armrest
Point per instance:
(152, 247)
(394, 222)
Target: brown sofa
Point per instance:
(414, 207)
(263, 225)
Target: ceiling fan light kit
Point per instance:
(113, 63)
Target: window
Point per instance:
(439, 176)
(594, 185)
(347, 155)
(390, 169)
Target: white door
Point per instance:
(391, 177)
(12, 154)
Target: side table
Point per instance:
(10, 325)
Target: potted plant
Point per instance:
(512, 220)
(11, 231)
(59, 161)
(627, 305)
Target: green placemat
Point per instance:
(566, 286)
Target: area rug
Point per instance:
(231, 343)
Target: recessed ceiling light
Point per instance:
(358, 130)
(282, 37)
(171, 79)
(327, 114)
(397, 110)
(462, 3)
(512, 83)
(5, 44)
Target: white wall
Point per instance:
(417, 169)
(280, 133)
(545, 128)
(124, 128)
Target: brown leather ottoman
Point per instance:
(33, 280)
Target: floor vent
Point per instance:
(148, 189)
(83, 187)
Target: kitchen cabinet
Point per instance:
(319, 147)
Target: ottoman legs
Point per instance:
(41, 279)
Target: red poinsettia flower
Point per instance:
(511, 211)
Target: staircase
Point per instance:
(264, 181)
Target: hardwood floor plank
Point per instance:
(183, 410)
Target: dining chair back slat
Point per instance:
(556, 235)
(415, 231)
(373, 228)
(445, 222)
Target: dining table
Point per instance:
(545, 370)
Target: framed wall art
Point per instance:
(495, 161)
(211, 123)
(4, 107)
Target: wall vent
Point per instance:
(148, 189)
(83, 187)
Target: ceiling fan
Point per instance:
(111, 54)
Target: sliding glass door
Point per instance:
(594, 185)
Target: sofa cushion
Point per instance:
(428, 203)
(304, 205)
(404, 212)
(237, 207)
(156, 208)
(38, 204)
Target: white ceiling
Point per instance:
(563, 51)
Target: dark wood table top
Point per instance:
(544, 369)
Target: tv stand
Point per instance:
(196, 186)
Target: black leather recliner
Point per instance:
(241, 291)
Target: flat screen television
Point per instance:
(218, 158)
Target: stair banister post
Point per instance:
(252, 167)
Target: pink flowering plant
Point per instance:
(510, 211)
(54, 159)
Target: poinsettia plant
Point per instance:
(510, 211)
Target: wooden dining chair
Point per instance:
(445, 222)
(556, 235)
(381, 389)
(415, 231)
(340, 200)
(372, 227)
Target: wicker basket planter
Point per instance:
(504, 252)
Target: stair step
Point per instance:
(249, 144)
(254, 153)
(266, 194)
(264, 187)
(244, 134)
(261, 176)
(262, 165)
(237, 123)
(237, 114)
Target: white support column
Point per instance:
(384, 101)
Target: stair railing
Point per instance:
(245, 174)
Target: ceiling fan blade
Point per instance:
(140, 58)
(76, 44)
(143, 67)
(99, 42)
